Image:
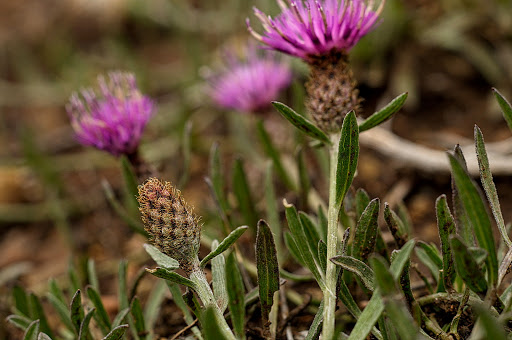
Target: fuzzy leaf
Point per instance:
(316, 326)
(224, 245)
(216, 180)
(467, 267)
(77, 312)
(362, 201)
(211, 325)
(348, 153)
(130, 181)
(236, 295)
(311, 233)
(272, 210)
(301, 123)
(120, 318)
(395, 225)
(243, 193)
(160, 258)
(21, 300)
(446, 227)
(267, 268)
(92, 275)
(322, 255)
(32, 331)
(366, 231)
(22, 322)
(62, 310)
(138, 318)
(488, 185)
(475, 209)
(219, 279)
(37, 313)
(117, 333)
(84, 326)
(166, 274)
(101, 316)
(383, 114)
(460, 216)
(357, 267)
(292, 247)
(506, 108)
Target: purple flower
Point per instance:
(250, 85)
(114, 119)
(309, 28)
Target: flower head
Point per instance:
(309, 28)
(112, 120)
(251, 84)
(173, 227)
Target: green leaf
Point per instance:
(311, 233)
(211, 324)
(267, 268)
(91, 273)
(43, 336)
(383, 114)
(22, 322)
(460, 216)
(243, 193)
(362, 200)
(322, 255)
(122, 290)
(357, 267)
(488, 184)
(301, 123)
(154, 303)
(467, 267)
(322, 223)
(477, 213)
(56, 291)
(395, 225)
(74, 281)
(130, 181)
(316, 326)
(224, 245)
(301, 241)
(138, 318)
(236, 295)
(117, 333)
(506, 108)
(348, 153)
(32, 331)
(37, 313)
(446, 227)
(76, 311)
(216, 180)
(120, 317)
(272, 210)
(84, 333)
(135, 225)
(62, 310)
(426, 259)
(182, 305)
(21, 300)
(272, 153)
(219, 279)
(304, 179)
(160, 258)
(383, 277)
(492, 327)
(366, 231)
(166, 274)
(101, 316)
(185, 143)
(292, 247)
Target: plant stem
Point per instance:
(205, 293)
(332, 243)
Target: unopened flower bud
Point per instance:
(173, 227)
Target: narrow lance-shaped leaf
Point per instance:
(160, 258)
(357, 267)
(301, 123)
(366, 231)
(117, 333)
(446, 227)
(460, 216)
(383, 114)
(77, 312)
(316, 326)
(348, 153)
(130, 181)
(216, 178)
(21, 300)
(243, 193)
(166, 274)
(84, 327)
(22, 322)
(219, 279)
(138, 318)
(506, 108)
(32, 331)
(224, 245)
(488, 184)
(395, 225)
(101, 316)
(474, 207)
(236, 295)
(38, 313)
(267, 268)
(362, 201)
(185, 142)
(211, 324)
(272, 153)
(271, 208)
(467, 267)
(311, 233)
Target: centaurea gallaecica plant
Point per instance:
(322, 33)
(251, 83)
(113, 118)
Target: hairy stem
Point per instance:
(332, 243)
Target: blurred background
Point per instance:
(447, 54)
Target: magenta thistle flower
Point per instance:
(250, 85)
(309, 28)
(112, 120)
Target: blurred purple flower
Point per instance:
(309, 28)
(250, 85)
(114, 119)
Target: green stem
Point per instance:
(332, 243)
(205, 293)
